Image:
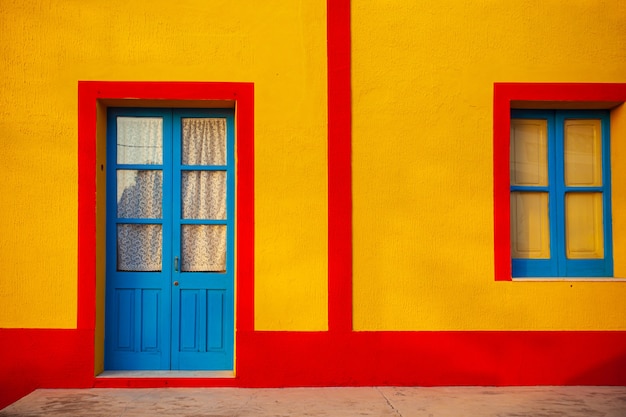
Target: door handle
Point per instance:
(176, 263)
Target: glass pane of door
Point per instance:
(203, 248)
(140, 140)
(204, 195)
(139, 194)
(204, 141)
(139, 247)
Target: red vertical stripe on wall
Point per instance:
(339, 168)
(86, 313)
(244, 142)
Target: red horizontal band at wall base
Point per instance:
(34, 358)
(494, 358)
(43, 358)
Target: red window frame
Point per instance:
(532, 95)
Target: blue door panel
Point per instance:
(205, 330)
(134, 336)
(124, 319)
(149, 320)
(190, 322)
(215, 322)
(201, 320)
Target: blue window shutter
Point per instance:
(558, 264)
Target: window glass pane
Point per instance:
(584, 226)
(583, 153)
(139, 194)
(204, 141)
(530, 226)
(203, 248)
(140, 140)
(529, 152)
(139, 247)
(204, 195)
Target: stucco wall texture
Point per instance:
(48, 46)
(422, 93)
(422, 88)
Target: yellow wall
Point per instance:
(47, 46)
(618, 196)
(423, 75)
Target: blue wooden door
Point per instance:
(170, 232)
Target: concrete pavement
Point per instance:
(369, 401)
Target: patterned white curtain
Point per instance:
(204, 141)
(139, 247)
(139, 140)
(140, 194)
(204, 195)
(204, 248)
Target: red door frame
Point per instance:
(90, 93)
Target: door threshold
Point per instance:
(166, 374)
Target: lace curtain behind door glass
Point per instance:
(140, 195)
(204, 194)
